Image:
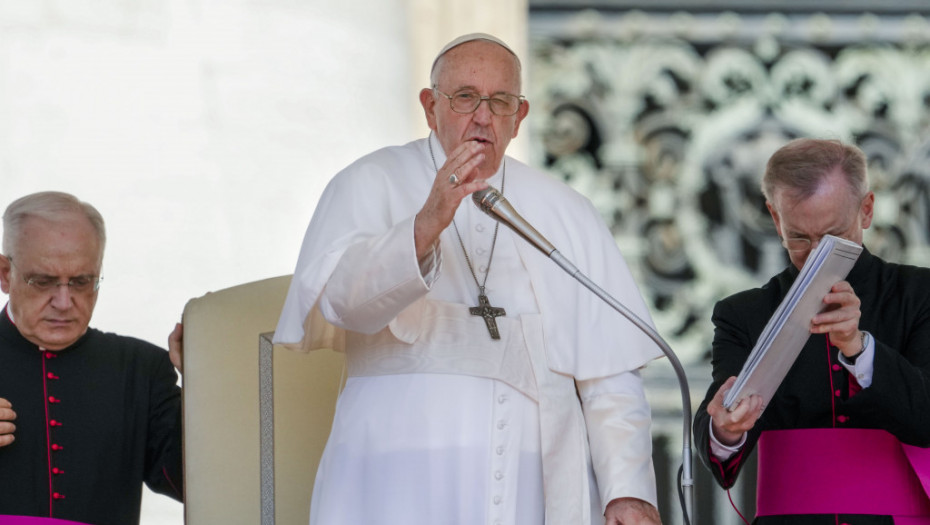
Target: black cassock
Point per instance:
(94, 421)
(895, 305)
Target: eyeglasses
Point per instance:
(48, 283)
(797, 244)
(803, 244)
(467, 101)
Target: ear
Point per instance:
(866, 209)
(521, 114)
(775, 218)
(428, 101)
(5, 269)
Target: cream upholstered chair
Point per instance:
(256, 417)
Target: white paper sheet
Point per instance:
(789, 327)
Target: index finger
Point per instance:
(724, 388)
(464, 159)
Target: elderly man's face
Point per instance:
(488, 69)
(831, 210)
(64, 249)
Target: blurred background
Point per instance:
(205, 130)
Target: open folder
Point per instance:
(789, 327)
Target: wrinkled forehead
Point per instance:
(475, 53)
(67, 236)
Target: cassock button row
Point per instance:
(501, 424)
(497, 500)
(842, 419)
(837, 393)
(53, 399)
(49, 355)
(55, 423)
(56, 446)
(52, 376)
(58, 496)
(498, 475)
(500, 451)
(836, 368)
(479, 227)
(57, 470)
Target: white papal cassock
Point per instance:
(438, 423)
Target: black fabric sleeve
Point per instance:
(163, 458)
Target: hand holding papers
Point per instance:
(789, 327)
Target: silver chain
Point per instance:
(481, 286)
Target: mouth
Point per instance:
(480, 140)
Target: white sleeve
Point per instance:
(376, 279)
(721, 451)
(862, 368)
(619, 422)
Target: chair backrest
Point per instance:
(223, 432)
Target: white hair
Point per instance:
(49, 205)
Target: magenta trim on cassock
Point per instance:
(842, 471)
(29, 520)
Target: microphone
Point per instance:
(492, 202)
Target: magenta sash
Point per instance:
(29, 520)
(842, 471)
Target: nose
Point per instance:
(483, 112)
(61, 297)
(815, 243)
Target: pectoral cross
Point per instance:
(490, 313)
